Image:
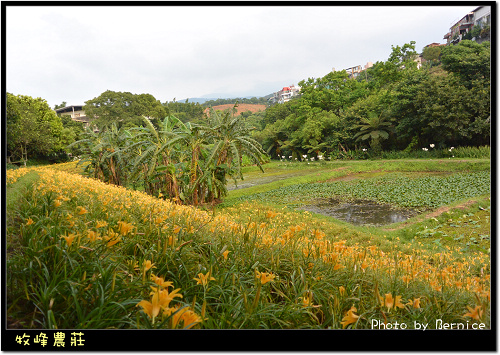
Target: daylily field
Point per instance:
(84, 254)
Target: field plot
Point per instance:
(241, 108)
(87, 255)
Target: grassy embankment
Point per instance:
(83, 254)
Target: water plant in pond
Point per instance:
(394, 188)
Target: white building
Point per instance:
(285, 94)
(76, 113)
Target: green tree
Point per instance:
(401, 60)
(375, 127)
(468, 60)
(63, 104)
(333, 92)
(230, 139)
(432, 55)
(33, 129)
(104, 151)
(123, 109)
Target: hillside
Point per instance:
(241, 108)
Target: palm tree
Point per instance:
(374, 127)
(231, 139)
(154, 157)
(105, 154)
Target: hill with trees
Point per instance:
(394, 106)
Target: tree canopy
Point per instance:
(32, 128)
(123, 109)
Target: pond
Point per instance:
(361, 212)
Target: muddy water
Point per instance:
(361, 212)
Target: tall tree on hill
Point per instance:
(468, 60)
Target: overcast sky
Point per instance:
(73, 54)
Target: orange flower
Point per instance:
(29, 222)
(57, 203)
(342, 290)
(160, 281)
(271, 214)
(415, 302)
(69, 238)
(93, 236)
(100, 224)
(125, 227)
(389, 301)
(177, 229)
(113, 241)
(203, 279)
(81, 210)
(147, 264)
(350, 317)
(186, 315)
(264, 277)
(337, 266)
(475, 313)
(397, 302)
(225, 254)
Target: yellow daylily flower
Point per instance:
(93, 236)
(160, 300)
(265, 277)
(147, 264)
(161, 282)
(113, 241)
(225, 254)
(350, 317)
(57, 203)
(389, 301)
(152, 309)
(186, 315)
(415, 302)
(69, 238)
(177, 229)
(100, 224)
(124, 227)
(475, 313)
(81, 210)
(397, 302)
(203, 279)
(29, 222)
(342, 290)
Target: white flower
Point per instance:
(431, 145)
(289, 157)
(304, 156)
(320, 157)
(425, 149)
(312, 159)
(364, 149)
(282, 157)
(452, 148)
(449, 150)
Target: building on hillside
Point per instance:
(76, 113)
(285, 94)
(354, 72)
(482, 19)
(481, 16)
